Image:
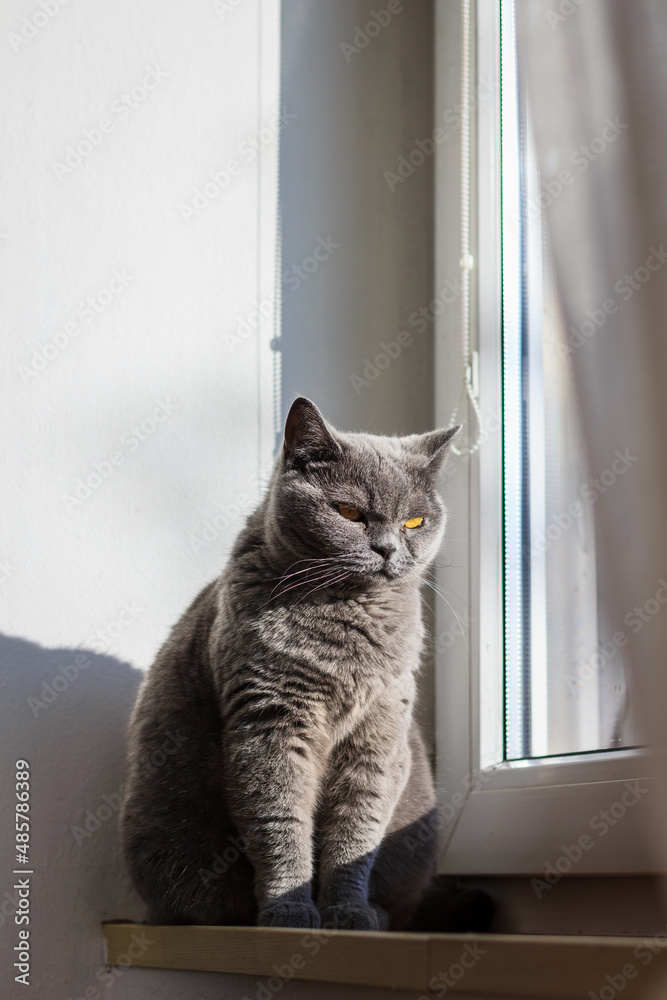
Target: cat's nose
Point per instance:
(384, 548)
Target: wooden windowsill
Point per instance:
(499, 964)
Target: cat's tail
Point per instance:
(445, 908)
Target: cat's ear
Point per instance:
(435, 445)
(307, 437)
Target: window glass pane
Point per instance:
(565, 689)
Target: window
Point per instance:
(536, 732)
(565, 689)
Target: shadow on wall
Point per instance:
(65, 711)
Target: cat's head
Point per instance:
(367, 506)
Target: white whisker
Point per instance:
(327, 583)
(442, 596)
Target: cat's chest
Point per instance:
(368, 654)
(357, 639)
(336, 658)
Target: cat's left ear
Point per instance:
(307, 437)
(435, 445)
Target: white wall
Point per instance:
(110, 572)
(161, 338)
(124, 562)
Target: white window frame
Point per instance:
(500, 817)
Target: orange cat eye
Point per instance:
(413, 522)
(351, 513)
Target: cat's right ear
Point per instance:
(307, 437)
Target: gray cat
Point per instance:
(296, 789)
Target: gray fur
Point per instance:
(299, 779)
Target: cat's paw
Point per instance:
(289, 914)
(355, 917)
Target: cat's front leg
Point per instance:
(367, 774)
(272, 788)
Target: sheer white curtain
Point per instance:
(597, 80)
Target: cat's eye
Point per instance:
(413, 522)
(351, 513)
